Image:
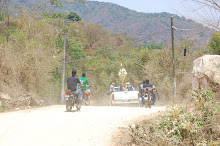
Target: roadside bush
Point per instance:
(180, 127)
(200, 127)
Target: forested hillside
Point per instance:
(140, 25)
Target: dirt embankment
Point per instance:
(189, 124)
(23, 102)
(137, 131)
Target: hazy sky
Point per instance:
(171, 6)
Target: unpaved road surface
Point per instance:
(52, 126)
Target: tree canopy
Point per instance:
(59, 3)
(74, 17)
(214, 44)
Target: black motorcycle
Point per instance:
(71, 99)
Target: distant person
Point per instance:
(129, 87)
(150, 85)
(112, 88)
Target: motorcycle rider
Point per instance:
(72, 83)
(86, 84)
(150, 85)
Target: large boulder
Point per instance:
(206, 69)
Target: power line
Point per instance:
(191, 36)
(146, 37)
(197, 33)
(185, 29)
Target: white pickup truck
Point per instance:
(123, 96)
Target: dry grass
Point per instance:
(27, 62)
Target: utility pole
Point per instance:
(64, 64)
(173, 58)
(64, 61)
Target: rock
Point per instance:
(33, 102)
(4, 96)
(41, 102)
(17, 109)
(133, 126)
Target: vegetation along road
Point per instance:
(52, 126)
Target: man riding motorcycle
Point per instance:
(150, 85)
(72, 83)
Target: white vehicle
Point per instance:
(123, 96)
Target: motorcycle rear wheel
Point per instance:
(68, 106)
(141, 104)
(145, 104)
(86, 101)
(78, 107)
(149, 102)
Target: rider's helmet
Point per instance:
(147, 80)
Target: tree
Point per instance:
(205, 11)
(74, 17)
(6, 7)
(59, 3)
(214, 44)
(75, 49)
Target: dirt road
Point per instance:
(52, 126)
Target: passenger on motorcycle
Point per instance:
(148, 84)
(86, 84)
(72, 83)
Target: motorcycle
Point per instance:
(71, 99)
(146, 98)
(86, 99)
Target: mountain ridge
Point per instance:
(139, 24)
